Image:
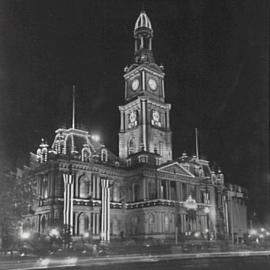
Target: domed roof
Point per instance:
(143, 22)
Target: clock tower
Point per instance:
(145, 118)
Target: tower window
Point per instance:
(131, 146)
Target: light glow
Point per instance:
(95, 137)
(54, 233)
(253, 232)
(25, 235)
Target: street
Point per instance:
(220, 263)
(220, 260)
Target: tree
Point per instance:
(14, 201)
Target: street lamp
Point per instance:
(25, 235)
(54, 233)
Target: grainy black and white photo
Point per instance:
(134, 134)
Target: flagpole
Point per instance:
(73, 108)
(197, 143)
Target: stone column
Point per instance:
(68, 200)
(105, 210)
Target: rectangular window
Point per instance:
(160, 148)
(163, 189)
(173, 190)
(184, 191)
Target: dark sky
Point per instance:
(215, 55)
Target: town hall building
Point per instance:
(142, 192)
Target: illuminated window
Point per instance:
(166, 223)
(160, 148)
(163, 190)
(44, 187)
(151, 222)
(86, 223)
(86, 154)
(84, 185)
(104, 155)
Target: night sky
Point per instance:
(215, 55)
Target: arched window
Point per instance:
(86, 154)
(59, 143)
(81, 224)
(68, 145)
(44, 154)
(86, 223)
(43, 224)
(131, 146)
(39, 155)
(84, 185)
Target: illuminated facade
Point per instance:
(141, 193)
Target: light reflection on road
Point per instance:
(63, 262)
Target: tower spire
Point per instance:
(73, 107)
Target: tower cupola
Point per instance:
(143, 24)
(143, 35)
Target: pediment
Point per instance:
(175, 168)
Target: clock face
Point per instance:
(156, 116)
(152, 84)
(132, 117)
(135, 85)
